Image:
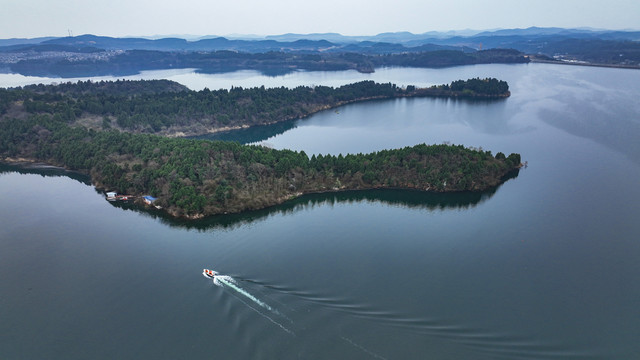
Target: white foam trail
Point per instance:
(265, 316)
(221, 280)
(363, 348)
(230, 282)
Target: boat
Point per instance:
(209, 274)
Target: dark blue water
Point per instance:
(544, 267)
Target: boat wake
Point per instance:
(226, 281)
(309, 308)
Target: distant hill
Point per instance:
(16, 41)
(48, 47)
(87, 54)
(526, 40)
(392, 37)
(176, 44)
(332, 37)
(533, 31)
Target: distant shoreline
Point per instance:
(418, 93)
(615, 66)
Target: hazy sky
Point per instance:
(33, 18)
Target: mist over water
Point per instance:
(543, 267)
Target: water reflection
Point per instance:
(266, 71)
(596, 104)
(617, 133)
(251, 135)
(393, 197)
(486, 116)
(44, 170)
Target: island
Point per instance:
(106, 130)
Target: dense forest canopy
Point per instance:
(195, 178)
(200, 177)
(161, 106)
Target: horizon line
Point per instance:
(192, 37)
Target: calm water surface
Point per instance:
(544, 267)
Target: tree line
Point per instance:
(162, 106)
(133, 61)
(195, 178)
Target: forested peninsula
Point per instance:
(166, 108)
(195, 178)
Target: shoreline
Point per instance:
(118, 175)
(417, 93)
(25, 162)
(557, 62)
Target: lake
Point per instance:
(543, 267)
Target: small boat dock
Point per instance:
(112, 196)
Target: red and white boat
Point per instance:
(210, 274)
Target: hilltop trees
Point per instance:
(162, 106)
(200, 177)
(91, 127)
(488, 86)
